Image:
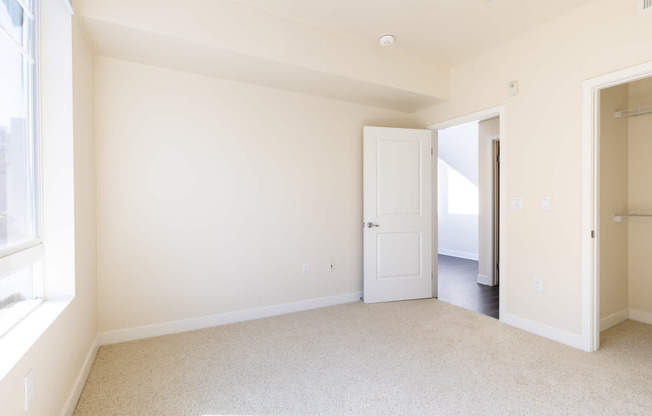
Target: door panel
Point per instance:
(398, 218)
(399, 255)
(398, 171)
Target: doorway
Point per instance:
(617, 203)
(468, 212)
(624, 203)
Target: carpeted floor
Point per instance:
(402, 358)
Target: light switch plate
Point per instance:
(515, 202)
(545, 203)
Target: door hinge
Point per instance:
(497, 266)
(592, 233)
(498, 158)
(432, 151)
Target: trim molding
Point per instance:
(640, 316)
(621, 316)
(484, 280)
(68, 5)
(173, 327)
(459, 254)
(555, 334)
(614, 319)
(75, 394)
(477, 116)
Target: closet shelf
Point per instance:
(633, 112)
(619, 217)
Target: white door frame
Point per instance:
(591, 193)
(500, 112)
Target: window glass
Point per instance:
(18, 168)
(17, 196)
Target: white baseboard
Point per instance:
(460, 254)
(173, 327)
(621, 316)
(555, 334)
(640, 316)
(614, 319)
(73, 398)
(484, 280)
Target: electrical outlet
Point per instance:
(29, 388)
(305, 269)
(538, 285)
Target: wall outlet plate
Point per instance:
(538, 285)
(29, 388)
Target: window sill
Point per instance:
(19, 339)
(13, 315)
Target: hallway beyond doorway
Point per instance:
(458, 285)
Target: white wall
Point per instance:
(212, 193)
(58, 357)
(458, 229)
(542, 148)
(458, 146)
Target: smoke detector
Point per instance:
(386, 40)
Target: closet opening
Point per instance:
(624, 205)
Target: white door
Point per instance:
(398, 233)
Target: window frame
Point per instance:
(28, 255)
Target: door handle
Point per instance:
(371, 224)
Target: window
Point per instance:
(20, 278)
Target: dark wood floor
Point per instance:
(458, 284)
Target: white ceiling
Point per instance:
(447, 31)
(327, 48)
(151, 48)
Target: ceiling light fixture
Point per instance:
(387, 39)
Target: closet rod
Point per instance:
(618, 217)
(633, 112)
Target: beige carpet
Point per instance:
(403, 358)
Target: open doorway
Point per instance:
(617, 204)
(468, 213)
(625, 203)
